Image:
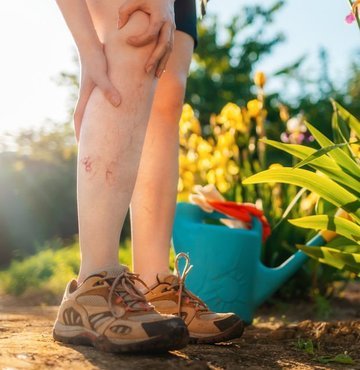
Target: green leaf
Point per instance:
(319, 153)
(324, 164)
(306, 345)
(324, 187)
(302, 152)
(352, 121)
(323, 255)
(340, 225)
(343, 244)
(338, 155)
(351, 260)
(340, 359)
(333, 257)
(290, 207)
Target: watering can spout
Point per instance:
(268, 280)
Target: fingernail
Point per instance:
(159, 73)
(149, 68)
(119, 24)
(115, 100)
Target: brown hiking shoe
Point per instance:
(110, 313)
(169, 296)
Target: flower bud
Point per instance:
(260, 79)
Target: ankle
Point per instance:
(86, 271)
(150, 278)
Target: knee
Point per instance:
(169, 98)
(118, 51)
(137, 24)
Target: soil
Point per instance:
(281, 337)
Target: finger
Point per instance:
(149, 36)
(84, 95)
(109, 90)
(164, 46)
(124, 13)
(163, 62)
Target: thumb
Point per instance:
(85, 91)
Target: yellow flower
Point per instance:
(180, 186)
(254, 107)
(284, 113)
(210, 177)
(193, 141)
(233, 168)
(260, 79)
(223, 186)
(188, 121)
(225, 140)
(231, 116)
(187, 113)
(204, 164)
(204, 147)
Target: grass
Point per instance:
(45, 274)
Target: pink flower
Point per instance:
(350, 18)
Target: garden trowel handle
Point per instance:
(330, 235)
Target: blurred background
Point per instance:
(306, 52)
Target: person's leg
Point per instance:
(154, 198)
(111, 140)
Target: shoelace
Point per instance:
(179, 285)
(124, 282)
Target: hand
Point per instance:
(94, 72)
(161, 29)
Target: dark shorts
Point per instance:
(185, 17)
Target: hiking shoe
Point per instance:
(108, 312)
(169, 296)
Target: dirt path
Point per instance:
(273, 342)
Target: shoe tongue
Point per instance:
(108, 273)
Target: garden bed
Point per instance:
(283, 336)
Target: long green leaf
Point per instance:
(322, 254)
(334, 258)
(341, 130)
(290, 207)
(352, 121)
(319, 153)
(339, 156)
(324, 187)
(302, 152)
(351, 248)
(351, 260)
(340, 225)
(324, 164)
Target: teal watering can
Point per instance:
(228, 274)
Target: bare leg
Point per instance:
(111, 140)
(154, 198)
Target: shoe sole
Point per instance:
(233, 332)
(176, 339)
